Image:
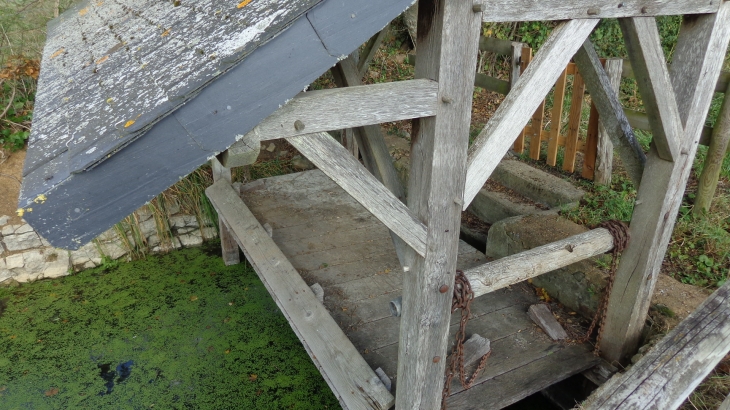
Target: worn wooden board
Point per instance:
(351, 380)
(357, 293)
(80, 206)
(671, 370)
(541, 315)
(536, 10)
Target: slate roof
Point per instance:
(135, 94)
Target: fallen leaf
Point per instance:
(253, 377)
(193, 298)
(51, 392)
(243, 4)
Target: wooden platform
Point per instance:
(331, 240)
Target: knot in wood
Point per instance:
(298, 125)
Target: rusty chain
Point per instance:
(463, 296)
(620, 233)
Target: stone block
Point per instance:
(243, 152)
(9, 229)
(537, 185)
(22, 241)
(85, 257)
(182, 221)
(491, 207)
(578, 286)
(191, 240)
(4, 219)
(14, 261)
(148, 227)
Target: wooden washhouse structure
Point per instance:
(135, 94)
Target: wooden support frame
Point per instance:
(537, 261)
(609, 107)
(715, 156)
(334, 160)
(313, 111)
(697, 63)
(671, 370)
(448, 40)
(650, 68)
(520, 104)
(529, 10)
(229, 247)
(371, 143)
(603, 170)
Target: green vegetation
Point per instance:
(198, 334)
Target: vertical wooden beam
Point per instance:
(368, 52)
(448, 41)
(557, 119)
(576, 115)
(698, 60)
(516, 62)
(591, 147)
(715, 155)
(536, 131)
(229, 246)
(604, 155)
(525, 60)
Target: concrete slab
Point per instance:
(535, 184)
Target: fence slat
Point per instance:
(557, 119)
(589, 157)
(519, 145)
(576, 111)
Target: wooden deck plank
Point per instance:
(357, 293)
(351, 380)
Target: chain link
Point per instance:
(463, 296)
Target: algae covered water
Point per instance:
(177, 331)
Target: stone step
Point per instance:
(536, 184)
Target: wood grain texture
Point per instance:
(611, 111)
(652, 76)
(347, 172)
(448, 42)
(536, 130)
(229, 247)
(591, 147)
(321, 110)
(534, 10)
(541, 315)
(574, 122)
(604, 152)
(697, 63)
(556, 122)
(532, 87)
(715, 156)
(671, 370)
(537, 261)
(725, 404)
(352, 381)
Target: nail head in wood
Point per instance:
(444, 288)
(436, 359)
(593, 11)
(446, 100)
(478, 8)
(298, 125)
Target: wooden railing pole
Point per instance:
(229, 247)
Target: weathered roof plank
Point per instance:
(223, 98)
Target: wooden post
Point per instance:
(715, 155)
(725, 404)
(697, 63)
(525, 60)
(448, 41)
(576, 113)
(604, 155)
(229, 246)
(557, 119)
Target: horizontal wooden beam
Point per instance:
(495, 45)
(671, 370)
(352, 381)
(334, 160)
(640, 121)
(349, 107)
(531, 10)
(537, 261)
(529, 92)
(720, 87)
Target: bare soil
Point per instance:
(11, 173)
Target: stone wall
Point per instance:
(26, 256)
